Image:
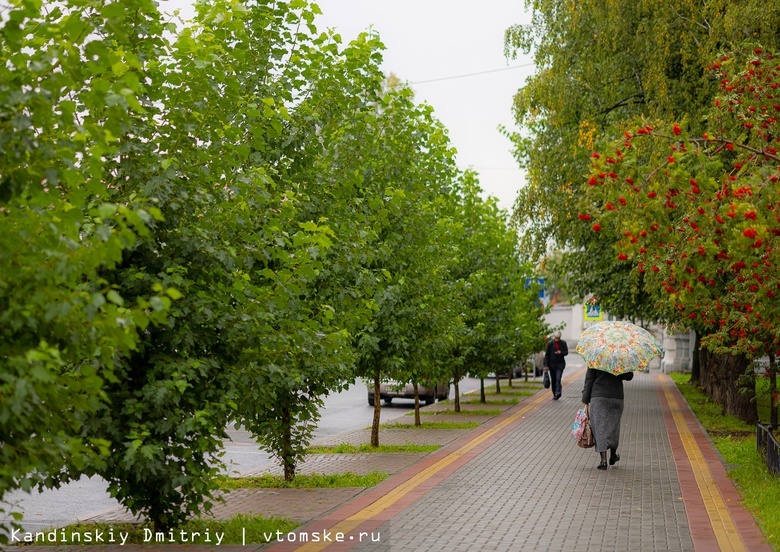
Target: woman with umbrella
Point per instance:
(612, 351)
(602, 398)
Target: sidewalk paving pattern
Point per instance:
(519, 482)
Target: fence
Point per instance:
(769, 447)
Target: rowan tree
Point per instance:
(696, 217)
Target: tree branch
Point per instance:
(638, 99)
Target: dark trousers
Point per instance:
(556, 375)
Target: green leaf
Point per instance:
(114, 297)
(107, 210)
(173, 293)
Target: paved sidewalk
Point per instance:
(519, 482)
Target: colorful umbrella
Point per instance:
(617, 347)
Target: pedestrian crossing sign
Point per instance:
(592, 312)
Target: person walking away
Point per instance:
(555, 362)
(602, 398)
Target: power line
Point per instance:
(474, 74)
(497, 168)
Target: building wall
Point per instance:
(678, 352)
(566, 315)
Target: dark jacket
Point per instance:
(599, 383)
(551, 360)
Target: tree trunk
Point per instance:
(377, 412)
(696, 360)
(772, 374)
(160, 522)
(417, 421)
(730, 382)
(482, 390)
(288, 461)
(498, 384)
(457, 391)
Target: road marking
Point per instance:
(396, 494)
(718, 513)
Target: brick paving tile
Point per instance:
(534, 474)
(506, 497)
(301, 505)
(442, 417)
(401, 436)
(360, 463)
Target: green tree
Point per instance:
(503, 319)
(249, 340)
(413, 164)
(314, 310)
(63, 325)
(168, 407)
(228, 248)
(428, 306)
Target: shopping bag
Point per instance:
(578, 427)
(546, 380)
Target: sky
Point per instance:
(431, 42)
(432, 45)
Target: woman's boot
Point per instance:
(613, 457)
(603, 465)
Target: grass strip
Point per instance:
(709, 414)
(492, 401)
(449, 411)
(431, 425)
(736, 442)
(347, 448)
(239, 529)
(511, 396)
(512, 392)
(303, 481)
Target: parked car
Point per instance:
(517, 371)
(390, 390)
(537, 360)
(534, 364)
